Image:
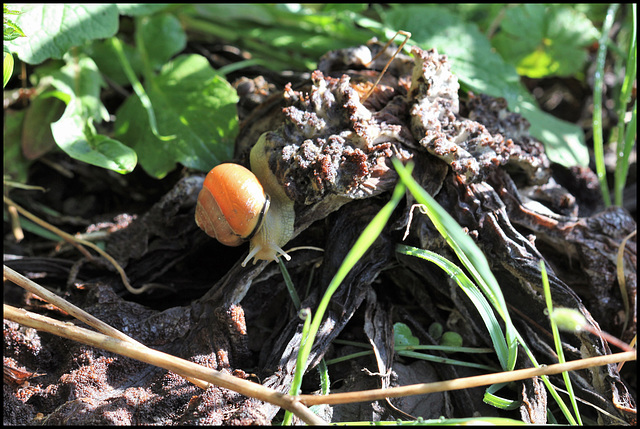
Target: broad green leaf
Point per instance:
(15, 165)
(36, 134)
(483, 14)
(80, 79)
(542, 40)
(162, 38)
(74, 136)
(74, 132)
(52, 29)
(482, 70)
(7, 68)
(564, 141)
(192, 102)
(403, 336)
(344, 7)
(101, 51)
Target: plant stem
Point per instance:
(626, 138)
(598, 145)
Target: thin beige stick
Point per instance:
(622, 282)
(179, 366)
(18, 234)
(407, 35)
(76, 243)
(463, 383)
(65, 236)
(632, 343)
(76, 312)
(65, 305)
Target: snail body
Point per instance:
(236, 204)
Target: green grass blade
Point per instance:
(512, 335)
(622, 164)
(474, 294)
(362, 244)
(498, 402)
(598, 144)
(305, 314)
(138, 88)
(557, 342)
(448, 361)
(469, 254)
(290, 287)
(623, 150)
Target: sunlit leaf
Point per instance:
(74, 132)
(193, 103)
(542, 40)
(162, 37)
(52, 29)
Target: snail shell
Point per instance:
(236, 205)
(231, 204)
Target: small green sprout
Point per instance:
(568, 319)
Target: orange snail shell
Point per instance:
(236, 204)
(231, 204)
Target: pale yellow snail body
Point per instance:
(236, 205)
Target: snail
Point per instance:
(236, 204)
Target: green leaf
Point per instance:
(102, 52)
(452, 339)
(74, 132)
(11, 30)
(193, 103)
(480, 69)
(162, 38)
(36, 138)
(564, 142)
(15, 165)
(80, 79)
(92, 148)
(281, 36)
(7, 68)
(52, 29)
(403, 336)
(435, 330)
(344, 7)
(542, 40)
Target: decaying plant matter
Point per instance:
(331, 153)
